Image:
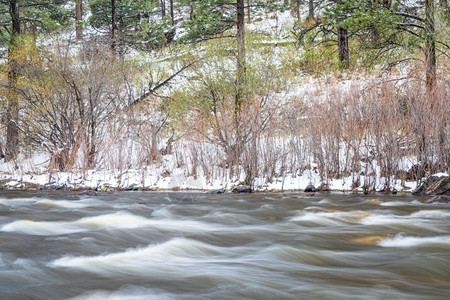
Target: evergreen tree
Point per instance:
(379, 28)
(131, 23)
(79, 18)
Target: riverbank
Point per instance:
(177, 180)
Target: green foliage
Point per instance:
(377, 33)
(206, 101)
(138, 22)
(36, 16)
(209, 18)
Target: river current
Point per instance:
(148, 245)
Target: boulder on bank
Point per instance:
(435, 185)
(214, 192)
(310, 189)
(445, 199)
(242, 189)
(324, 187)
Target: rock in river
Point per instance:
(439, 199)
(435, 185)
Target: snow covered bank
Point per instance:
(32, 174)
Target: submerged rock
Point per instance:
(439, 199)
(310, 189)
(435, 185)
(219, 191)
(242, 189)
(87, 193)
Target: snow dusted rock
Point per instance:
(310, 189)
(242, 189)
(435, 185)
(439, 199)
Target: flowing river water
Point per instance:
(144, 245)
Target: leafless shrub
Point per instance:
(70, 98)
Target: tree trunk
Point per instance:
(163, 8)
(240, 53)
(154, 149)
(12, 111)
(240, 81)
(172, 15)
(78, 19)
(344, 57)
(310, 9)
(249, 17)
(92, 150)
(113, 25)
(430, 46)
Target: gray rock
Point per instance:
(324, 188)
(310, 189)
(242, 189)
(435, 185)
(219, 191)
(439, 199)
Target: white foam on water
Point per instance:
(17, 201)
(114, 220)
(431, 214)
(405, 241)
(125, 294)
(420, 218)
(41, 228)
(163, 212)
(62, 203)
(142, 260)
(321, 218)
(315, 208)
(330, 218)
(325, 201)
(119, 220)
(401, 203)
(394, 203)
(385, 220)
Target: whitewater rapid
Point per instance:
(142, 245)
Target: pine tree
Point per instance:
(382, 27)
(79, 19)
(132, 23)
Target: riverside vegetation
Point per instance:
(229, 91)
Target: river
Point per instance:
(156, 245)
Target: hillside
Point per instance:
(355, 97)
